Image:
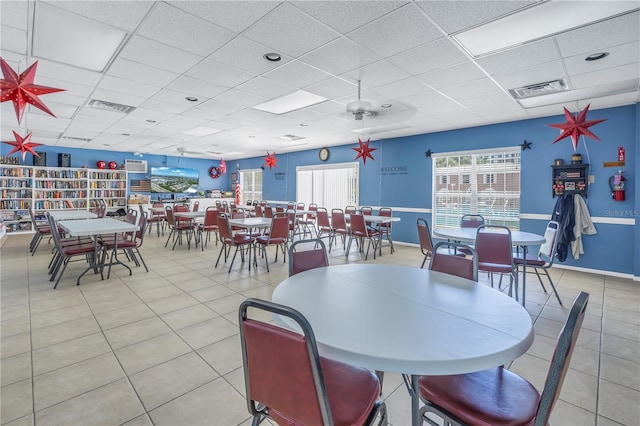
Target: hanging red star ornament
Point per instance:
(21, 90)
(223, 167)
(22, 144)
(576, 126)
(270, 160)
(364, 151)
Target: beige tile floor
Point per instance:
(162, 347)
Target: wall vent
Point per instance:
(136, 166)
(539, 89)
(71, 138)
(110, 106)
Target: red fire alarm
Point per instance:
(621, 153)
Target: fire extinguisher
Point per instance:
(616, 183)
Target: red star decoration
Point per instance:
(21, 90)
(23, 144)
(576, 126)
(223, 167)
(270, 160)
(364, 151)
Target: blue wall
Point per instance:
(615, 248)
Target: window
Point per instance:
(330, 186)
(250, 185)
(483, 182)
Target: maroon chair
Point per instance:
(159, 218)
(323, 225)
(339, 226)
(258, 211)
(177, 228)
(497, 396)
(288, 382)
(495, 254)
(278, 236)
(228, 239)
(131, 246)
(196, 206)
(303, 260)
(268, 212)
(279, 209)
(385, 228)
(41, 230)
(209, 225)
(470, 221)
(449, 262)
(359, 231)
(424, 236)
(367, 211)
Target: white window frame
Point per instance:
(255, 193)
(493, 188)
(323, 191)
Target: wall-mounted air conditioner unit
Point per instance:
(136, 166)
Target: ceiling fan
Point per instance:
(360, 109)
(182, 150)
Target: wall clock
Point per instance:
(323, 154)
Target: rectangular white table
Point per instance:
(71, 214)
(93, 228)
(407, 320)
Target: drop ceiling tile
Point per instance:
(602, 35)
(236, 97)
(130, 70)
(141, 114)
(13, 40)
(298, 74)
(219, 73)
(180, 29)
(610, 101)
(333, 88)
(122, 14)
(452, 76)
(340, 56)
(376, 74)
(397, 31)
(117, 84)
(247, 55)
(190, 86)
(178, 98)
(604, 76)
(265, 88)
(520, 57)
(169, 107)
(469, 90)
(66, 73)
(491, 101)
(73, 94)
(158, 55)
(309, 33)
(619, 55)
(538, 74)
(15, 14)
(428, 57)
(234, 16)
(346, 16)
(428, 101)
(60, 110)
(304, 116)
(203, 114)
(217, 106)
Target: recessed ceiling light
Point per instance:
(291, 102)
(303, 124)
(124, 134)
(106, 144)
(273, 57)
(191, 98)
(150, 121)
(596, 56)
(252, 137)
(386, 105)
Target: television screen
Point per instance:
(174, 180)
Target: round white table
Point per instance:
(518, 238)
(407, 320)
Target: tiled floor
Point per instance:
(162, 347)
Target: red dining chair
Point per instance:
(359, 231)
(159, 218)
(289, 383)
(471, 221)
(196, 206)
(348, 211)
(424, 236)
(498, 397)
(323, 225)
(41, 230)
(339, 226)
(239, 241)
(308, 222)
(209, 225)
(385, 228)
(278, 236)
(449, 262)
(279, 208)
(544, 260)
(257, 211)
(268, 212)
(176, 228)
(130, 245)
(367, 211)
(495, 254)
(303, 260)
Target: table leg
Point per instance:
(94, 263)
(114, 254)
(524, 274)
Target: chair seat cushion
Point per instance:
(495, 397)
(532, 260)
(264, 239)
(494, 267)
(238, 239)
(352, 393)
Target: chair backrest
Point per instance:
(560, 360)
(142, 227)
(268, 354)
(358, 226)
(224, 227)
(279, 208)
(493, 244)
(211, 216)
(131, 216)
(300, 206)
(350, 209)
(291, 214)
(255, 202)
(180, 208)
(323, 218)
(258, 210)
(424, 235)
(249, 202)
(386, 212)
(449, 262)
(548, 249)
(303, 260)
(291, 206)
(55, 233)
(337, 219)
(263, 203)
(219, 204)
(268, 212)
(279, 227)
(196, 206)
(168, 211)
(471, 221)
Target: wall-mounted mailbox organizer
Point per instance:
(570, 179)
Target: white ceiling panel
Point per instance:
(183, 30)
(398, 31)
(213, 50)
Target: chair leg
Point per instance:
(142, 259)
(222, 249)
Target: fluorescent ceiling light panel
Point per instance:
(581, 94)
(537, 22)
(291, 102)
(201, 131)
(69, 38)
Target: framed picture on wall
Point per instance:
(570, 186)
(234, 177)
